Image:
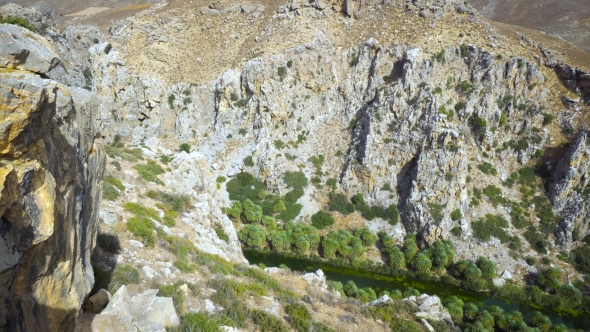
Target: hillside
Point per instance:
(412, 139)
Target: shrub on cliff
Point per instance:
(322, 219)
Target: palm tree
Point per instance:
(470, 310)
(455, 311)
(421, 263)
(540, 321)
(473, 272)
(476, 327)
(487, 267)
(397, 259)
(486, 319)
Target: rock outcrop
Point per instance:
(570, 191)
(144, 312)
(51, 171)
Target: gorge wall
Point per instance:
(51, 170)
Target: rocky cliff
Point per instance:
(51, 170)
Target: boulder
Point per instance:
(97, 302)
(383, 299)
(146, 311)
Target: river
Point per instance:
(386, 282)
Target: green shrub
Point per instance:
(456, 231)
(267, 322)
(150, 171)
(295, 179)
(494, 194)
(537, 240)
(503, 102)
(142, 228)
(491, 225)
(456, 215)
(248, 161)
(487, 168)
(220, 232)
(479, 123)
(123, 275)
(322, 219)
(175, 293)
(17, 21)
(200, 322)
(253, 236)
(221, 179)
(466, 87)
(185, 147)
(339, 202)
(581, 258)
(279, 144)
(171, 99)
(331, 182)
(282, 71)
(460, 106)
(299, 317)
(108, 242)
(108, 48)
(244, 186)
(112, 188)
(547, 119)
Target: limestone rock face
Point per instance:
(144, 312)
(570, 191)
(25, 50)
(51, 171)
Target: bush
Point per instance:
(197, 322)
(123, 275)
(537, 240)
(339, 202)
(487, 168)
(460, 106)
(547, 119)
(112, 188)
(248, 161)
(491, 225)
(108, 48)
(279, 144)
(185, 147)
(142, 228)
(150, 171)
(581, 258)
(494, 194)
(456, 215)
(456, 231)
(174, 292)
(322, 219)
(282, 71)
(108, 242)
(267, 322)
(221, 179)
(253, 236)
(17, 21)
(220, 232)
(299, 317)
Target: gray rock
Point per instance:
(104, 323)
(24, 50)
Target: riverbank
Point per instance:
(572, 320)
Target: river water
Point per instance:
(386, 282)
